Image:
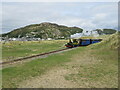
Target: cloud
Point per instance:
(88, 16)
(60, 0)
(100, 16)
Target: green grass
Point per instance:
(103, 73)
(12, 76)
(17, 49)
(96, 65)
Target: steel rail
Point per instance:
(33, 56)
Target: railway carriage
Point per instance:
(81, 42)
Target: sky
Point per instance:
(86, 15)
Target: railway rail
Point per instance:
(33, 56)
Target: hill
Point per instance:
(44, 30)
(105, 31)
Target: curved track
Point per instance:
(33, 56)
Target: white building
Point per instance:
(49, 38)
(0, 38)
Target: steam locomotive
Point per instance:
(81, 42)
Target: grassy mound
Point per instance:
(109, 42)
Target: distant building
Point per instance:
(42, 39)
(49, 38)
(0, 38)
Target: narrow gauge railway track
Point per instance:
(33, 56)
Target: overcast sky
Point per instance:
(86, 15)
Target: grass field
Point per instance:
(18, 49)
(97, 68)
(94, 66)
(13, 75)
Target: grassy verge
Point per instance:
(12, 76)
(97, 69)
(17, 49)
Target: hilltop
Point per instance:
(44, 30)
(105, 31)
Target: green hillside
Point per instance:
(44, 31)
(105, 31)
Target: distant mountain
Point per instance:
(44, 31)
(105, 31)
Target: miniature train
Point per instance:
(81, 42)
